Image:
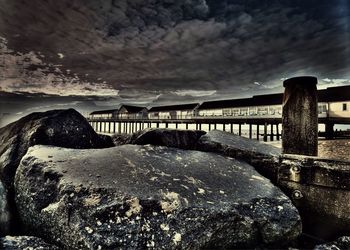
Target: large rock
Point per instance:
(184, 139)
(135, 197)
(4, 210)
(64, 128)
(264, 157)
(25, 243)
(342, 243)
(121, 139)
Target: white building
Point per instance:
(183, 111)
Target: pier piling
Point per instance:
(300, 116)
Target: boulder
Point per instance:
(4, 210)
(264, 157)
(25, 242)
(136, 196)
(184, 139)
(342, 243)
(121, 139)
(64, 128)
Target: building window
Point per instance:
(227, 112)
(244, 111)
(253, 111)
(345, 107)
(322, 109)
(236, 112)
(263, 111)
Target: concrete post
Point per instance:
(300, 116)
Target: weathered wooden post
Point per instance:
(265, 132)
(250, 130)
(271, 135)
(300, 116)
(329, 130)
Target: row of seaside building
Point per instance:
(332, 102)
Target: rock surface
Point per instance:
(4, 210)
(25, 243)
(121, 139)
(184, 139)
(143, 196)
(342, 243)
(262, 156)
(64, 128)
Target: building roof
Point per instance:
(132, 109)
(334, 94)
(102, 112)
(272, 99)
(191, 106)
(129, 108)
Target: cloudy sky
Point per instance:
(92, 54)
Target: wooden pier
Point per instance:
(259, 116)
(264, 128)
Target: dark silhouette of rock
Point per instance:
(64, 128)
(106, 141)
(264, 157)
(342, 243)
(25, 242)
(121, 139)
(136, 196)
(184, 139)
(4, 210)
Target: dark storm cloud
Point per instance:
(147, 49)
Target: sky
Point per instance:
(96, 54)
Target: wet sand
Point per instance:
(333, 149)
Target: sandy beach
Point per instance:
(333, 149)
